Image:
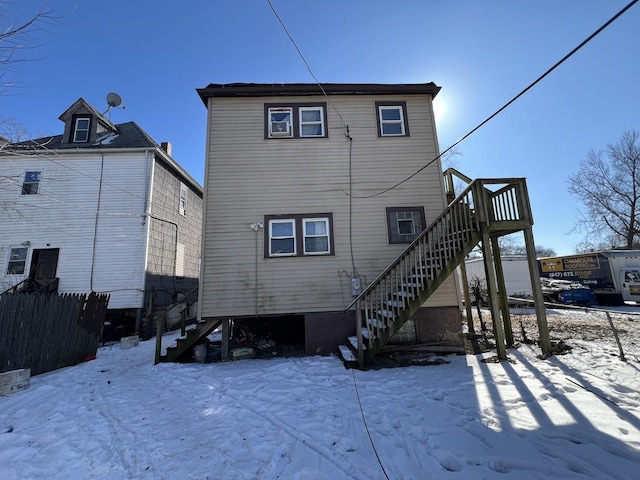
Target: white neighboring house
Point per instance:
(515, 269)
(100, 208)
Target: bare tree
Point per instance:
(608, 186)
(15, 31)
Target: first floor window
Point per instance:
(17, 261)
(282, 237)
(404, 224)
(31, 182)
(316, 236)
(299, 235)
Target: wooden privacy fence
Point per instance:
(44, 332)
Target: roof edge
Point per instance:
(280, 89)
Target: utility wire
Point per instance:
(364, 420)
(491, 117)
(284, 27)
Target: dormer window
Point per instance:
(81, 130)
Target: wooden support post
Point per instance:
(183, 321)
(224, 354)
(467, 298)
(615, 334)
(536, 288)
(502, 293)
(492, 290)
(158, 328)
(359, 336)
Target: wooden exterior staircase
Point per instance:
(185, 343)
(484, 210)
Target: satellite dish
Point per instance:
(114, 100)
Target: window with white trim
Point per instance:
(316, 236)
(183, 199)
(308, 120)
(81, 130)
(282, 237)
(280, 122)
(298, 235)
(392, 119)
(311, 122)
(404, 224)
(17, 261)
(31, 183)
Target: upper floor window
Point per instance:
(31, 182)
(404, 224)
(299, 235)
(392, 119)
(307, 120)
(183, 199)
(81, 130)
(17, 261)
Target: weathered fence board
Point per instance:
(45, 332)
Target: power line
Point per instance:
(284, 27)
(497, 112)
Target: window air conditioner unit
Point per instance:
(280, 129)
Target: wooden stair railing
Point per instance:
(397, 293)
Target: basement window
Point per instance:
(404, 224)
(17, 261)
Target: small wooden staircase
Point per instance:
(185, 343)
(479, 212)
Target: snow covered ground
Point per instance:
(573, 416)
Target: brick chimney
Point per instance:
(166, 146)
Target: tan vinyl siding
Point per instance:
(249, 177)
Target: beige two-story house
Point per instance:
(307, 200)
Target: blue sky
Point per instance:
(155, 54)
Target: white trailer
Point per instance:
(515, 269)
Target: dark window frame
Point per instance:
(30, 187)
(405, 120)
(295, 120)
(298, 223)
(393, 236)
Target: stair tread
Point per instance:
(346, 354)
(376, 323)
(354, 343)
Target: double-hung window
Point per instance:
(311, 122)
(299, 235)
(392, 119)
(31, 183)
(81, 130)
(316, 236)
(282, 237)
(17, 261)
(183, 199)
(296, 120)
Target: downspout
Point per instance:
(150, 172)
(256, 228)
